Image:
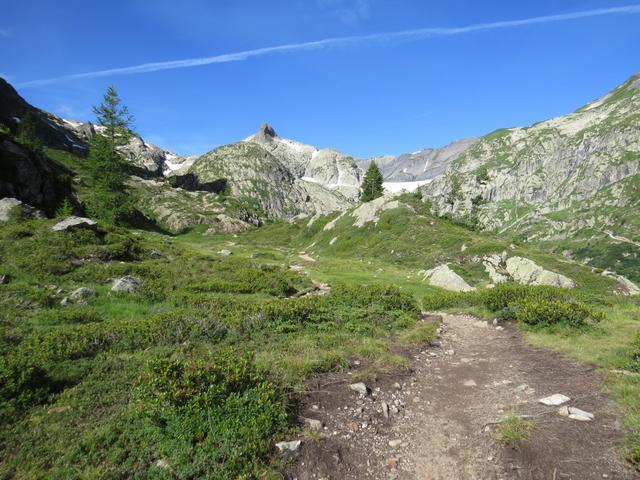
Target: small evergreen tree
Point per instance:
(372, 183)
(26, 134)
(110, 199)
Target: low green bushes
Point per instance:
(212, 417)
(536, 305)
(634, 363)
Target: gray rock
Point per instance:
(555, 399)
(224, 252)
(73, 223)
(395, 443)
(313, 424)
(81, 294)
(360, 387)
(127, 284)
(8, 204)
(289, 446)
(442, 276)
(576, 414)
(385, 409)
(528, 272)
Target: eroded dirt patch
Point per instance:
(438, 421)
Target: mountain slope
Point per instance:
(281, 177)
(571, 178)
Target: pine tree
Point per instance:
(372, 183)
(110, 200)
(26, 134)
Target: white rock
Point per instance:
(528, 272)
(72, 223)
(315, 425)
(576, 414)
(469, 383)
(555, 399)
(291, 446)
(395, 443)
(442, 276)
(224, 252)
(359, 387)
(127, 284)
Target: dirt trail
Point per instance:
(442, 420)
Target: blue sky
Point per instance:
(365, 96)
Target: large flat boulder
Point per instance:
(442, 276)
(528, 272)
(74, 223)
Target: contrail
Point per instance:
(404, 35)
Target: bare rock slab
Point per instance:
(554, 400)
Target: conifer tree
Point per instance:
(110, 199)
(372, 184)
(26, 134)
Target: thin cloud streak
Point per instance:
(405, 35)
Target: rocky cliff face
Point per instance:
(281, 177)
(571, 178)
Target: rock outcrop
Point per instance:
(442, 276)
(527, 272)
(74, 223)
(7, 206)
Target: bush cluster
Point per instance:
(532, 305)
(214, 415)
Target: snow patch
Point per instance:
(396, 187)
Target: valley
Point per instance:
(248, 316)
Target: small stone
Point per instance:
(60, 409)
(554, 400)
(224, 252)
(359, 387)
(469, 383)
(290, 446)
(385, 409)
(395, 443)
(394, 409)
(393, 462)
(156, 253)
(397, 386)
(162, 463)
(65, 301)
(499, 328)
(495, 321)
(315, 407)
(576, 414)
(450, 352)
(315, 425)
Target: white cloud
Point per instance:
(404, 35)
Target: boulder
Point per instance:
(495, 267)
(371, 211)
(528, 272)
(555, 399)
(74, 223)
(227, 224)
(625, 286)
(81, 294)
(8, 204)
(224, 252)
(290, 446)
(360, 387)
(127, 284)
(442, 276)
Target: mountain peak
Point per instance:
(265, 133)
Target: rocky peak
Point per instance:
(265, 133)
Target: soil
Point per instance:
(443, 415)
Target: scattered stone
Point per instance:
(499, 328)
(469, 383)
(60, 409)
(554, 400)
(290, 446)
(397, 386)
(360, 387)
(395, 443)
(162, 463)
(333, 240)
(74, 223)
(81, 294)
(576, 414)
(313, 424)
(224, 252)
(127, 284)
(385, 409)
(156, 253)
(393, 462)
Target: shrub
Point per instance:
(216, 415)
(443, 299)
(514, 429)
(68, 315)
(533, 311)
(634, 364)
(22, 384)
